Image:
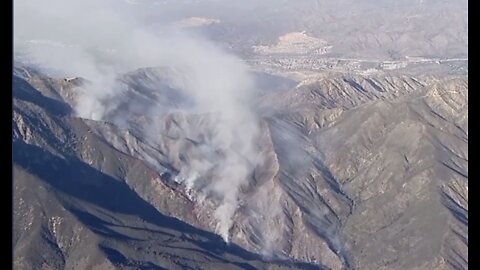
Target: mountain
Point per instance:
(354, 29)
(80, 203)
(357, 172)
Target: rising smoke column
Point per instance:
(221, 88)
(98, 40)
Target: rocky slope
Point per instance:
(79, 203)
(361, 172)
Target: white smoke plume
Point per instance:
(100, 39)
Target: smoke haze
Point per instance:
(109, 41)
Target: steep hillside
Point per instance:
(364, 172)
